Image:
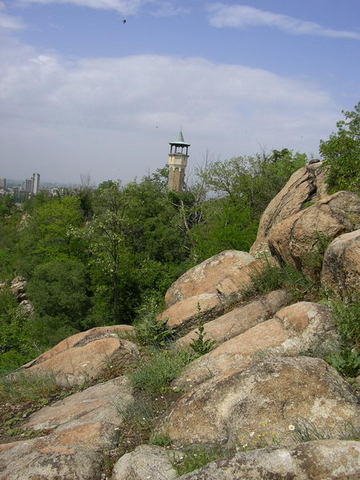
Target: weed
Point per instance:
(196, 457)
(160, 440)
(155, 373)
(347, 317)
(21, 387)
(306, 431)
(274, 277)
(148, 329)
(202, 345)
(346, 361)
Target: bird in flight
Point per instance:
(124, 21)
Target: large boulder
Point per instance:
(273, 401)
(85, 356)
(205, 277)
(300, 239)
(209, 299)
(316, 460)
(306, 185)
(297, 329)
(75, 434)
(145, 462)
(239, 319)
(341, 265)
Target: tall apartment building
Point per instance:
(35, 183)
(2, 183)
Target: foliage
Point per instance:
(342, 153)
(27, 388)
(347, 317)
(148, 329)
(202, 345)
(155, 373)
(242, 187)
(58, 289)
(273, 278)
(196, 457)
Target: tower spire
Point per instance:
(177, 160)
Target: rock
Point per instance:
(232, 286)
(205, 277)
(298, 328)
(85, 356)
(189, 310)
(18, 287)
(239, 319)
(316, 460)
(305, 185)
(273, 401)
(341, 265)
(27, 307)
(79, 430)
(298, 239)
(100, 403)
(145, 462)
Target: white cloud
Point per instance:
(9, 22)
(243, 16)
(124, 7)
(113, 117)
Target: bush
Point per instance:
(202, 345)
(155, 373)
(287, 277)
(347, 317)
(341, 153)
(148, 329)
(197, 457)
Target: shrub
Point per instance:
(155, 373)
(196, 457)
(347, 317)
(202, 345)
(341, 153)
(148, 329)
(274, 278)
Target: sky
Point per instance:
(82, 92)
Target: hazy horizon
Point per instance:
(82, 93)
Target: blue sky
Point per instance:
(83, 93)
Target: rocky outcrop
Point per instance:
(239, 319)
(204, 278)
(145, 462)
(294, 330)
(305, 186)
(228, 285)
(316, 460)
(75, 434)
(299, 240)
(265, 404)
(341, 266)
(85, 356)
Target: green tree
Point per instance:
(341, 153)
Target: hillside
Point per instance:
(249, 371)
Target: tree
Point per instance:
(341, 153)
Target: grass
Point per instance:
(196, 457)
(273, 278)
(155, 373)
(21, 395)
(306, 431)
(347, 317)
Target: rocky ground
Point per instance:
(262, 403)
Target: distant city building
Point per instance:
(177, 160)
(35, 183)
(2, 183)
(27, 186)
